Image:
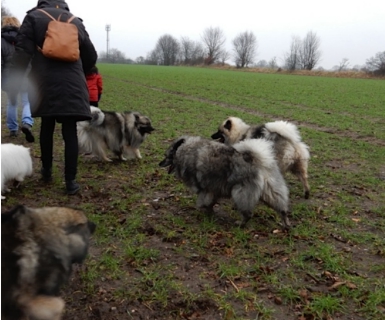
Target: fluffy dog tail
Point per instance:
(85, 139)
(270, 184)
(97, 116)
(286, 129)
(262, 150)
(295, 157)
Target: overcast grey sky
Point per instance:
(347, 29)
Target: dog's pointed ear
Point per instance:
(228, 125)
(178, 144)
(137, 119)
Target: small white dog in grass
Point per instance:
(16, 164)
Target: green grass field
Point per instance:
(155, 256)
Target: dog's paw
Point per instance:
(2, 197)
(137, 154)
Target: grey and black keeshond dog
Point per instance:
(246, 172)
(120, 132)
(291, 153)
(38, 248)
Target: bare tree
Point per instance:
(153, 57)
(273, 63)
(140, 60)
(376, 64)
(343, 65)
(310, 53)
(223, 57)
(186, 47)
(245, 49)
(292, 58)
(168, 48)
(114, 56)
(261, 64)
(191, 52)
(197, 54)
(214, 40)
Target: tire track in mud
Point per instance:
(343, 134)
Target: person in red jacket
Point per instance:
(95, 86)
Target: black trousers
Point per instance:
(70, 137)
(94, 103)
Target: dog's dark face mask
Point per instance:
(169, 159)
(143, 124)
(218, 136)
(145, 128)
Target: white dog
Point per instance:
(16, 164)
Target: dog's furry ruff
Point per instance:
(291, 153)
(120, 132)
(38, 248)
(16, 164)
(246, 173)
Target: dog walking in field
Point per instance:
(120, 132)
(291, 153)
(38, 248)
(246, 172)
(16, 164)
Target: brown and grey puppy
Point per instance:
(246, 173)
(120, 132)
(291, 153)
(38, 248)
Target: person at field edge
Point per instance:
(95, 86)
(9, 28)
(58, 89)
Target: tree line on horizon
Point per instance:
(303, 54)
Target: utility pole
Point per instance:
(108, 29)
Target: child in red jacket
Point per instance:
(95, 86)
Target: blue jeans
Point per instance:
(12, 122)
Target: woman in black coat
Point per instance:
(58, 89)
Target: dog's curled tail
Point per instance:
(286, 129)
(262, 150)
(97, 116)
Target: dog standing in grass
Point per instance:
(246, 172)
(38, 248)
(120, 132)
(291, 153)
(16, 164)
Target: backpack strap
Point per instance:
(58, 19)
(69, 20)
(45, 12)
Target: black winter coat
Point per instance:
(56, 88)
(8, 38)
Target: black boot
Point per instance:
(26, 129)
(72, 187)
(46, 174)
